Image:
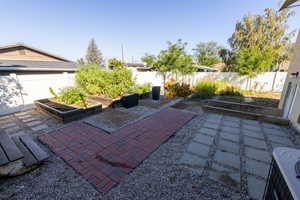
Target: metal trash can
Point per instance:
(155, 92)
(284, 175)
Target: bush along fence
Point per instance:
(18, 92)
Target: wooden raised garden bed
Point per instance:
(145, 95)
(109, 102)
(130, 100)
(106, 101)
(67, 113)
(249, 111)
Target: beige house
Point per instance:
(27, 73)
(23, 59)
(290, 99)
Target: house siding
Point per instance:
(22, 53)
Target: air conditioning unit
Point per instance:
(284, 175)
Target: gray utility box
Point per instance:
(284, 176)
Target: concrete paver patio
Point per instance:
(235, 151)
(30, 121)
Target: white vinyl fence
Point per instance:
(17, 92)
(269, 81)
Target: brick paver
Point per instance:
(105, 159)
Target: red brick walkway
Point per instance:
(104, 159)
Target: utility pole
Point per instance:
(122, 53)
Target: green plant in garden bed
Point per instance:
(140, 89)
(96, 81)
(70, 95)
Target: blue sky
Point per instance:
(64, 27)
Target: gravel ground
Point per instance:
(158, 177)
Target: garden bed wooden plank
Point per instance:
(3, 158)
(10, 148)
(34, 148)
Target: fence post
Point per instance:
(274, 80)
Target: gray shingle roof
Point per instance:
(32, 65)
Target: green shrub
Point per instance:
(206, 89)
(176, 89)
(72, 95)
(96, 81)
(121, 82)
(231, 91)
(115, 63)
(140, 89)
(92, 79)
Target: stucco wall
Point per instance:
(295, 62)
(18, 92)
(294, 67)
(295, 112)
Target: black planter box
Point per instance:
(145, 95)
(66, 113)
(130, 100)
(155, 92)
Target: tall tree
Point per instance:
(149, 59)
(252, 60)
(228, 58)
(207, 54)
(174, 59)
(267, 31)
(80, 62)
(93, 54)
(115, 63)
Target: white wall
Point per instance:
(269, 81)
(17, 92)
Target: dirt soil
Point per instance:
(112, 118)
(154, 104)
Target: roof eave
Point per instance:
(37, 69)
(286, 4)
